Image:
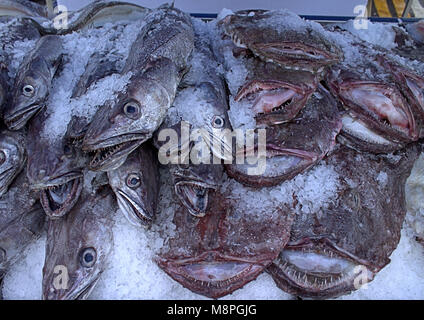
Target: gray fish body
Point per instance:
(12, 157)
(355, 235)
(78, 246)
(136, 185)
(33, 82)
(18, 8)
(156, 69)
(21, 221)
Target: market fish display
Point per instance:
(328, 250)
(123, 125)
(33, 81)
(136, 186)
(79, 243)
(342, 124)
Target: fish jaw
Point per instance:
(291, 162)
(194, 195)
(57, 209)
(18, 120)
(380, 106)
(134, 210)
(12, 149)
(212, 274)
(275, 101)
(315, 268)
(295, 55)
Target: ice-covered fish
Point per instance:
(98, 13)
(293, 147)
(282, 37)
(333, 251)
(136, 185)
(22, 8)
(78, 246)
(33, 81)
(12, 157)
(156, 61)
(228, 247)
(21, 221)
(54, 167)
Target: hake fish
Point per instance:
(33, 81)
(78, 246)
(136, 186)
(157, 60)
(13, 157)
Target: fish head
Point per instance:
(280, 152)
(30, 92)
(135, 184)
(77, 248)
(276, 95)
(269, 36)
(118, 129)
(194, 182)
(380, 106)
(12, 157)
(55, 168)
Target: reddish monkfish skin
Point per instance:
(345, 245)
(226, 248)
(298, 145)
(283, 38)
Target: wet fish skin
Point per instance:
(80, 242)
(156, 73)
(136, 186)
(151, 93)
(371, 193)
(22, 8)
(13, 157)
(33, 81)
(222, 251)
(21, 221)
(307, 139)
(54, 168)
(4, 88)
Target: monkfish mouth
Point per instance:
(383, 104)
(318, 269)
(212, 274)
(273, 102)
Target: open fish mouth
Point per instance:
(133, 211)
(316, 269)
(211, 274)
(18, 120)
(57, 200)
(306, 57)
(112, 157)
(383, 104)
(194, 196)
(280, 164)
(273, 101)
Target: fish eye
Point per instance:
(218, 122)
(133, 180)
(28, 90)
(2, 157)
(132, 110)
(67, 150)
(88, 257)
